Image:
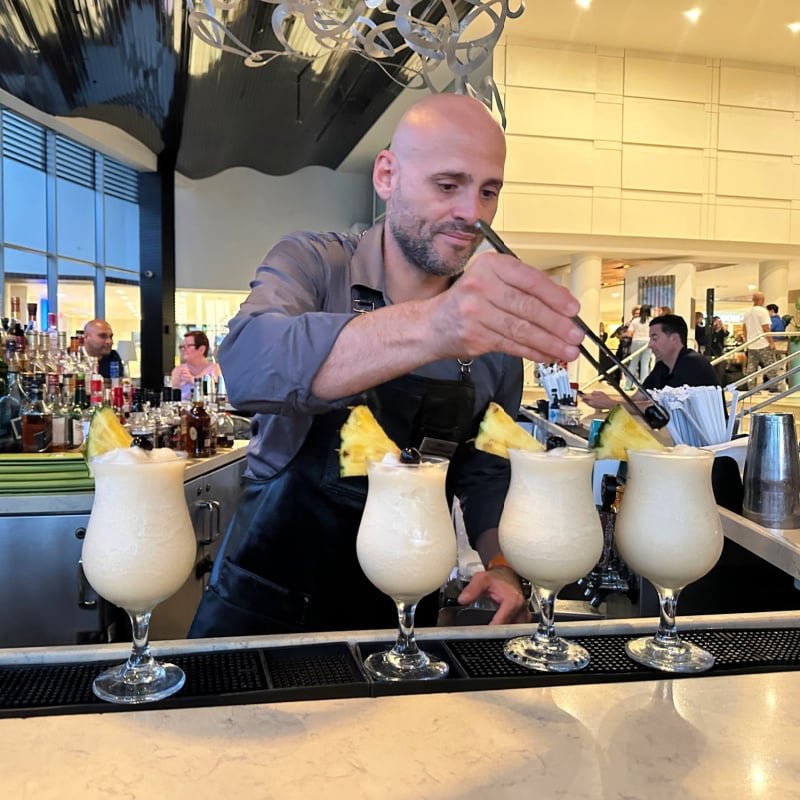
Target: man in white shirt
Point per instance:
(760, 353)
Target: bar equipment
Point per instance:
(772, 472)
(139, 549)
(406, 546)
(550, 533)
(668, 530)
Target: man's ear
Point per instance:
(384, 174)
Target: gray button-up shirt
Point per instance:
(299, 302)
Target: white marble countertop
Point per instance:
(706, 737)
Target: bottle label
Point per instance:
(193, 433)
(59, 433)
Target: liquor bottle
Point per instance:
(210, 395)
(37, 423)
(198, 425)
(60, 415)
(225, 430)
(6, 433)
(80, 404)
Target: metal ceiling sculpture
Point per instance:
(378, 30)
(136, 65)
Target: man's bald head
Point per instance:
(758, 298)
(98, 338)
(441, 117)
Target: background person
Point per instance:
(640, 336)
(761, 352)
(433, 346)
(776, 322)
(195, 363)
(98, 342)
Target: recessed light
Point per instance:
(583, 3)
(794, 27)
(693, 14)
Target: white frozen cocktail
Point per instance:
(406, 546)
(139, 549)
(550, 533)
(669, 531)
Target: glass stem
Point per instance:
(140, 656)
(406, 644)
(546, 631)
(667, 633)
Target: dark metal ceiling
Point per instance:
(127, 63)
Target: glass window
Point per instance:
(122, 233)
(75, 215)
(124, 315)
(21, 262)
(24, 205)
(75, 300)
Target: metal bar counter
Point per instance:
(699, 737)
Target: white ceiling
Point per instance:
(744, 30)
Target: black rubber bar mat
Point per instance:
(477, 664)
(324, 671)
(304, 672)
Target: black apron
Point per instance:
(288, 560)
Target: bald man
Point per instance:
(98, 342)
(761, 352)
(392, 319)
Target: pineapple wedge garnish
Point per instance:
(622, 432)
(106, 433)
(362, 440)
(498, 431)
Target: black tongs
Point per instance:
(655, 416)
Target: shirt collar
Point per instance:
(366, 266)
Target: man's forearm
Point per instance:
(375, 348)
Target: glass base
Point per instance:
(558, 655)
(145, 684)
(680, 657)
(391, 666)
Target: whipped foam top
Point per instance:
(138, 455)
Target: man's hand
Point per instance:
(502, 305)
(598, 400)
(502, 586)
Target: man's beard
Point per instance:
(414, 236)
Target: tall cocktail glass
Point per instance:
(139, 549)
(669, 531)
(406, 546)
(550, 533)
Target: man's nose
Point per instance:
(469, 207)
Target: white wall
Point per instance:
(617, 142)
(224, 225)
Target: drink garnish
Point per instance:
(498, 432)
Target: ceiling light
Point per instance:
(432, 33)
(693, 14)
(584, 3)
(794, 27)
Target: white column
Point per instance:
(584, 282)
(773, 280)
